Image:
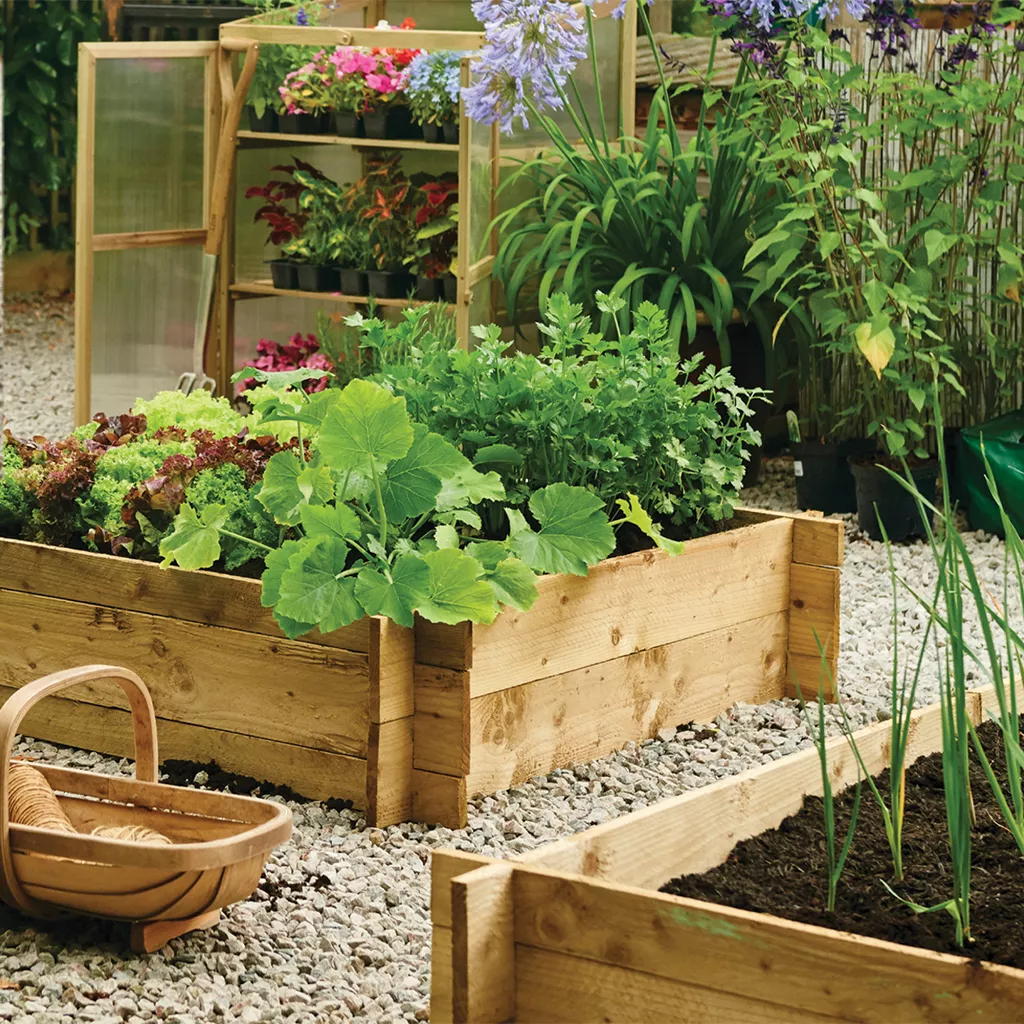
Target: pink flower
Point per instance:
(381, 83)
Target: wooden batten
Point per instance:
(442, 722)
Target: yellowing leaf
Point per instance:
(876, 344)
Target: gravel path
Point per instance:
(37, 359)
(340, 928)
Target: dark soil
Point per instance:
(183, 773)
(783, 871)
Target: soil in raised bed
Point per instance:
(782, 872)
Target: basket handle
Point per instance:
(13, 712)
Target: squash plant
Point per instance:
(377, 517)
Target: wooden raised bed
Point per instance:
(643, 642)
(330, 716)
(576, 931)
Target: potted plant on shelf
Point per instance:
(305, 95)
(265, 101)
(433, 92)
(436, 237)
(346, 94)
(385, 112)
(285, 217)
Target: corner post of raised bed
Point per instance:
(814, 607)
(441, 723)
(389, 785)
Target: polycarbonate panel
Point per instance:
(439, 15)
(144, 308)
(482, 201)
(149, 144)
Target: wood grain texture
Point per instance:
(796, 967)
(108, 581)
(581, 715)
(552, 988)
(444, 866)
(441, 975)
(483, 945)
(442, 721)
(813, 620)
(697, 831)
(816, 540)
(389, 790)
(313, 773)
(392, 655)
(636, 602)
(223, 679)
(439, 799)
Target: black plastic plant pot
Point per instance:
(451, 132)
(824, 482)
(316, 278)
(288, 124)
(432, 133)
(450, 288)
(879, 496)
(348, 124)
(400, 123)
(375, 123)
(353, 282)
(284, 274)
(428, 289)
(388, 284)
(265, 123)
(316, 124)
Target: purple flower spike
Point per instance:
(531, 49)
(301, 18)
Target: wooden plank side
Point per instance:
(578, 716)
(634, 603)
(218, 678)
(795, 967)
(696, 831)
(444, 646)
(441, 730)
(108, 581)
(816, 540)
(441, 975)
(389, 773)
(444, 866)
(439, 799)
(483, 946)
(552, 988)
(814, 609)
(316, 774)
(392, 654)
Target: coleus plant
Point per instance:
(377, 518)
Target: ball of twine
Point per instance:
(31, 801)
(131, 834)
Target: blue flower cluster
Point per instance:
(531, 49)
(434, 84)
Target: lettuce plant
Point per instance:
(378, 515)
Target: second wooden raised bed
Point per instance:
(410, 723)
(577, 931)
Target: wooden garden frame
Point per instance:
(577, 931)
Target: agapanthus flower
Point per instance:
(531, 49)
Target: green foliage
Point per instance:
(899, 196)
(15, 501)
(367, 512)
(196, 411)
(612, 416)
(636, 219)
(118, 470)
(40, 50)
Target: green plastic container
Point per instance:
(1004, 448)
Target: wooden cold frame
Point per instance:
(86, 241)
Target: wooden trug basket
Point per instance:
(220, 842)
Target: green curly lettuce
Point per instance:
(196, 411)
(118, 470)
(15, 500)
